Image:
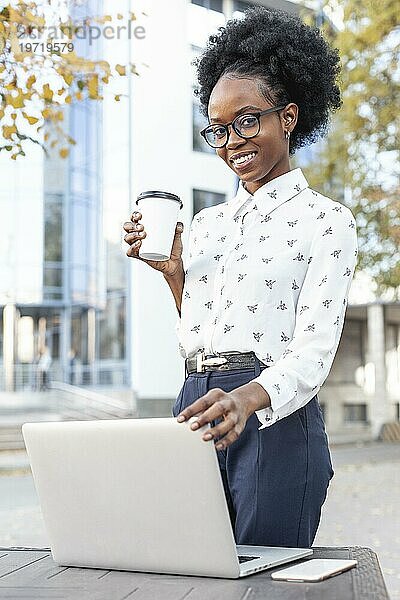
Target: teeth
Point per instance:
(243, 159)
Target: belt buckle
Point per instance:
(202, 361)
(200, 356)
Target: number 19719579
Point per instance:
(51, 47)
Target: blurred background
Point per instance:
(80, 322)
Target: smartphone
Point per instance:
(315, 569)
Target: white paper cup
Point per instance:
(159, 218)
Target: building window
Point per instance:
(355, 413)
(350, 357)
(203, 199)
(198, 123)
(53, 229)
(203, 19)
(53, 246)
(209, 4)
(111, 329)
(239, 6)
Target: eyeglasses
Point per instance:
(246, 126)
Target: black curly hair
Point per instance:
(291, 60)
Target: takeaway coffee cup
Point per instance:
(159, 217)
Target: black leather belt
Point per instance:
(221, 361)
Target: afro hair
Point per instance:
(291, 60)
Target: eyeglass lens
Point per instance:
(244, 125)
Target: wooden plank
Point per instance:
(160, 590)
(38, 573)
(43, 593)
(74, 576)
(249, 588)
(35, 576)
(16, 561)
(103, 585)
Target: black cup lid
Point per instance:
(159, 194)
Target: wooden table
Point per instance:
(29, 574)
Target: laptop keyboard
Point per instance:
(243, 559)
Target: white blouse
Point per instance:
(270, 273)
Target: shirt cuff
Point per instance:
(266, 417)
(278, 409)
(280, 392)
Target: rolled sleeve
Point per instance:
(298, 374)
(186, 260)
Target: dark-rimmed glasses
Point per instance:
(246, 126)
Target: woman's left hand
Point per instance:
(233, 407)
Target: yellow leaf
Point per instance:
(31, 120)
(46, 112)
(59, 115)
(13, 116)
(64, 152)
(8, 130)
(35, 19)
(119, 16)
(117, 97)
(121, 70)
(132, 16)
(105, 79)
(68, 99)
(105, 66)
(102, 19)
(16, 101)
(68, 78)
(47, 92)
(14, 156)
(93, 87)
(30, 81)
(46, 137)
(79, 96)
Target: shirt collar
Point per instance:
(270, 195)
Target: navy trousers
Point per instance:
(275, 479)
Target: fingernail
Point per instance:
(219, 447)
(207, 436)
(180, 418)
(194, 426)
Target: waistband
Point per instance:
(221, 361)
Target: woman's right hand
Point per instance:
(135, 233)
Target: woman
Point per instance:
(264, 294)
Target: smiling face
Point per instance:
(267, 154)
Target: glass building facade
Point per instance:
(68, 293)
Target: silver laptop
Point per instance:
(138, 495)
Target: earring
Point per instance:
(287, 135)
